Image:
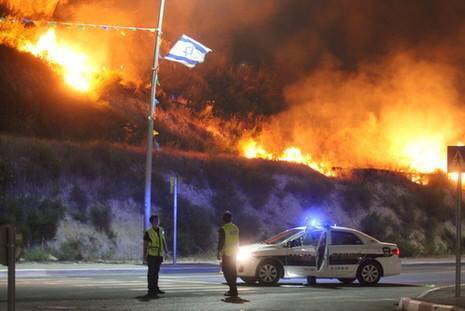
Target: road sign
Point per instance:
(455, 159)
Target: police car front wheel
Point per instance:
(369, 273)
(268, 273)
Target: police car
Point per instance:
(318, 252)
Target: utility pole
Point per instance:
(458, 259)
(151, 117)
(456, 164)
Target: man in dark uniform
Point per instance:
(228, 244)
(154, 247)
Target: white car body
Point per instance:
(329, 252)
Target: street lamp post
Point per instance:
(151, 117)
(456, 164)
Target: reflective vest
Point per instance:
(231, 239)
(155, 244)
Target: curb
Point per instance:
(409, 304)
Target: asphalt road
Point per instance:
(202, 288)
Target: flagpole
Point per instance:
(151, 117)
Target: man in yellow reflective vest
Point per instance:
(228, 244)
(154, 249)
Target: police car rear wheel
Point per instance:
(268, 273)
(347, 280)
(369, 273)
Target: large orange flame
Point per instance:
(78, 69)
(251, 149)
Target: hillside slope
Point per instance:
(85, 200)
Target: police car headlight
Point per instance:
(243, 254)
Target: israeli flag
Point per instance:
(188, 52)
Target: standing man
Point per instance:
(154, 248)
(228, 244)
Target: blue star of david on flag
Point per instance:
(188, 52)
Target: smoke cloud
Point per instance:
(401, 113)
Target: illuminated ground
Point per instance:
(202, 290)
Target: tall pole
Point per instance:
(11, 238)
(458, 221)
(151, 117)
(175, 217)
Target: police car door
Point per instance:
(344, 252)
(300, 260)
(321, 253)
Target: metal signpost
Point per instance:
(8, 258)
(456, 164)
(151, 117)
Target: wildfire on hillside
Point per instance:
(70, 56)
(396, 110)
(398, 115)
(251, 150)
(78, 69)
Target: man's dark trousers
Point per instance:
(153, 263)
(228, 264)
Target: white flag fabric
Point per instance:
(188, 52)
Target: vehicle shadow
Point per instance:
(328, 285)
(340, 285)
(236, 300)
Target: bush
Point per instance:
(36, 254)
(375, 225)
(78, 200)
(407, 248)
(70, 250)
(42, 220)
(100, 218)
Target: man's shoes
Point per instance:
(232, 295)
(159, 291)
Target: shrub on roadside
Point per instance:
(36, 254)
(42, 220)
(70, 250)
(78, 200)
(100, 218)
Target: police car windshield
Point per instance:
(280, 237)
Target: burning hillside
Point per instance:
(339, 90)
(77, 68)
(400, 115)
